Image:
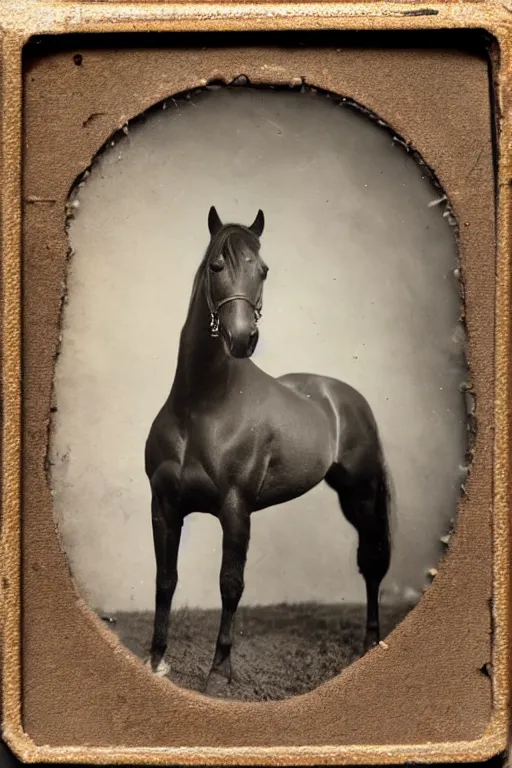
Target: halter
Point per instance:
(214, 309)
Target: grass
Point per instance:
(279, 650)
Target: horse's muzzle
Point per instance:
(240, 344)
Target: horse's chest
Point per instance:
(198, 490)
(223, 453)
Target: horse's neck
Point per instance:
(202, 361)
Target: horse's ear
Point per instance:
(258, 224)
(214, 222)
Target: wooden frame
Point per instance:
(20, 21)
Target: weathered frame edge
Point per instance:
(21, 20)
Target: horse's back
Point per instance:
(341, 395)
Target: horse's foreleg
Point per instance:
(235, 521)
(167, 523)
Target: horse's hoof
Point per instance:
(220, 677)
(369, 646)
(163, 668)
(216, 684)
(370, 642)
(223, 669)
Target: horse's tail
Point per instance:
(384, 501)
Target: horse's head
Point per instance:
(235, 273)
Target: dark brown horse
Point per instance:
(231, 440)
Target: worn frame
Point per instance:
(19, 21)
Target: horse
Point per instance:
(231, 440)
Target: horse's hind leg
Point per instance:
(366, 507)
(167, 524)
(235, 521)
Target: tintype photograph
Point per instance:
(260, 428)
(255, 383)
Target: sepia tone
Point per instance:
(425, 661)
(362, 286)
(479, 590)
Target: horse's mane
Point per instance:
(233, 241)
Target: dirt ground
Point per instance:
(278, 651)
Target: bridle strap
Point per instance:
(235, 297)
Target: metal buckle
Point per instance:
(214, 325)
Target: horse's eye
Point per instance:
(217, 265)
